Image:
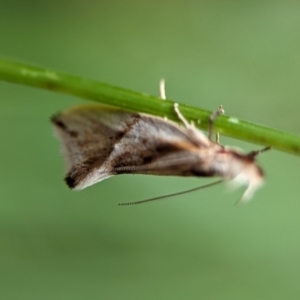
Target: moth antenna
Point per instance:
(212, 118)
(162, 89)
(171, 195)
(257, 152)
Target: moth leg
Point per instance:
(257, 152)
(212, 118)
(182, 118)
(162, 90)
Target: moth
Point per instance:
(99, 142)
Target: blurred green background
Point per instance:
(58, 244)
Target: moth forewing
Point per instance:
(87, 138)
(99, 142)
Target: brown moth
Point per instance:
(99, 142)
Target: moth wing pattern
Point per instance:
(99, 142)
(87, 137)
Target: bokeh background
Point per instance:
(58, 244)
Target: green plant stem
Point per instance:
(125, 99)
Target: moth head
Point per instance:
(245, 171)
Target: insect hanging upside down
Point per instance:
(99, 142)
